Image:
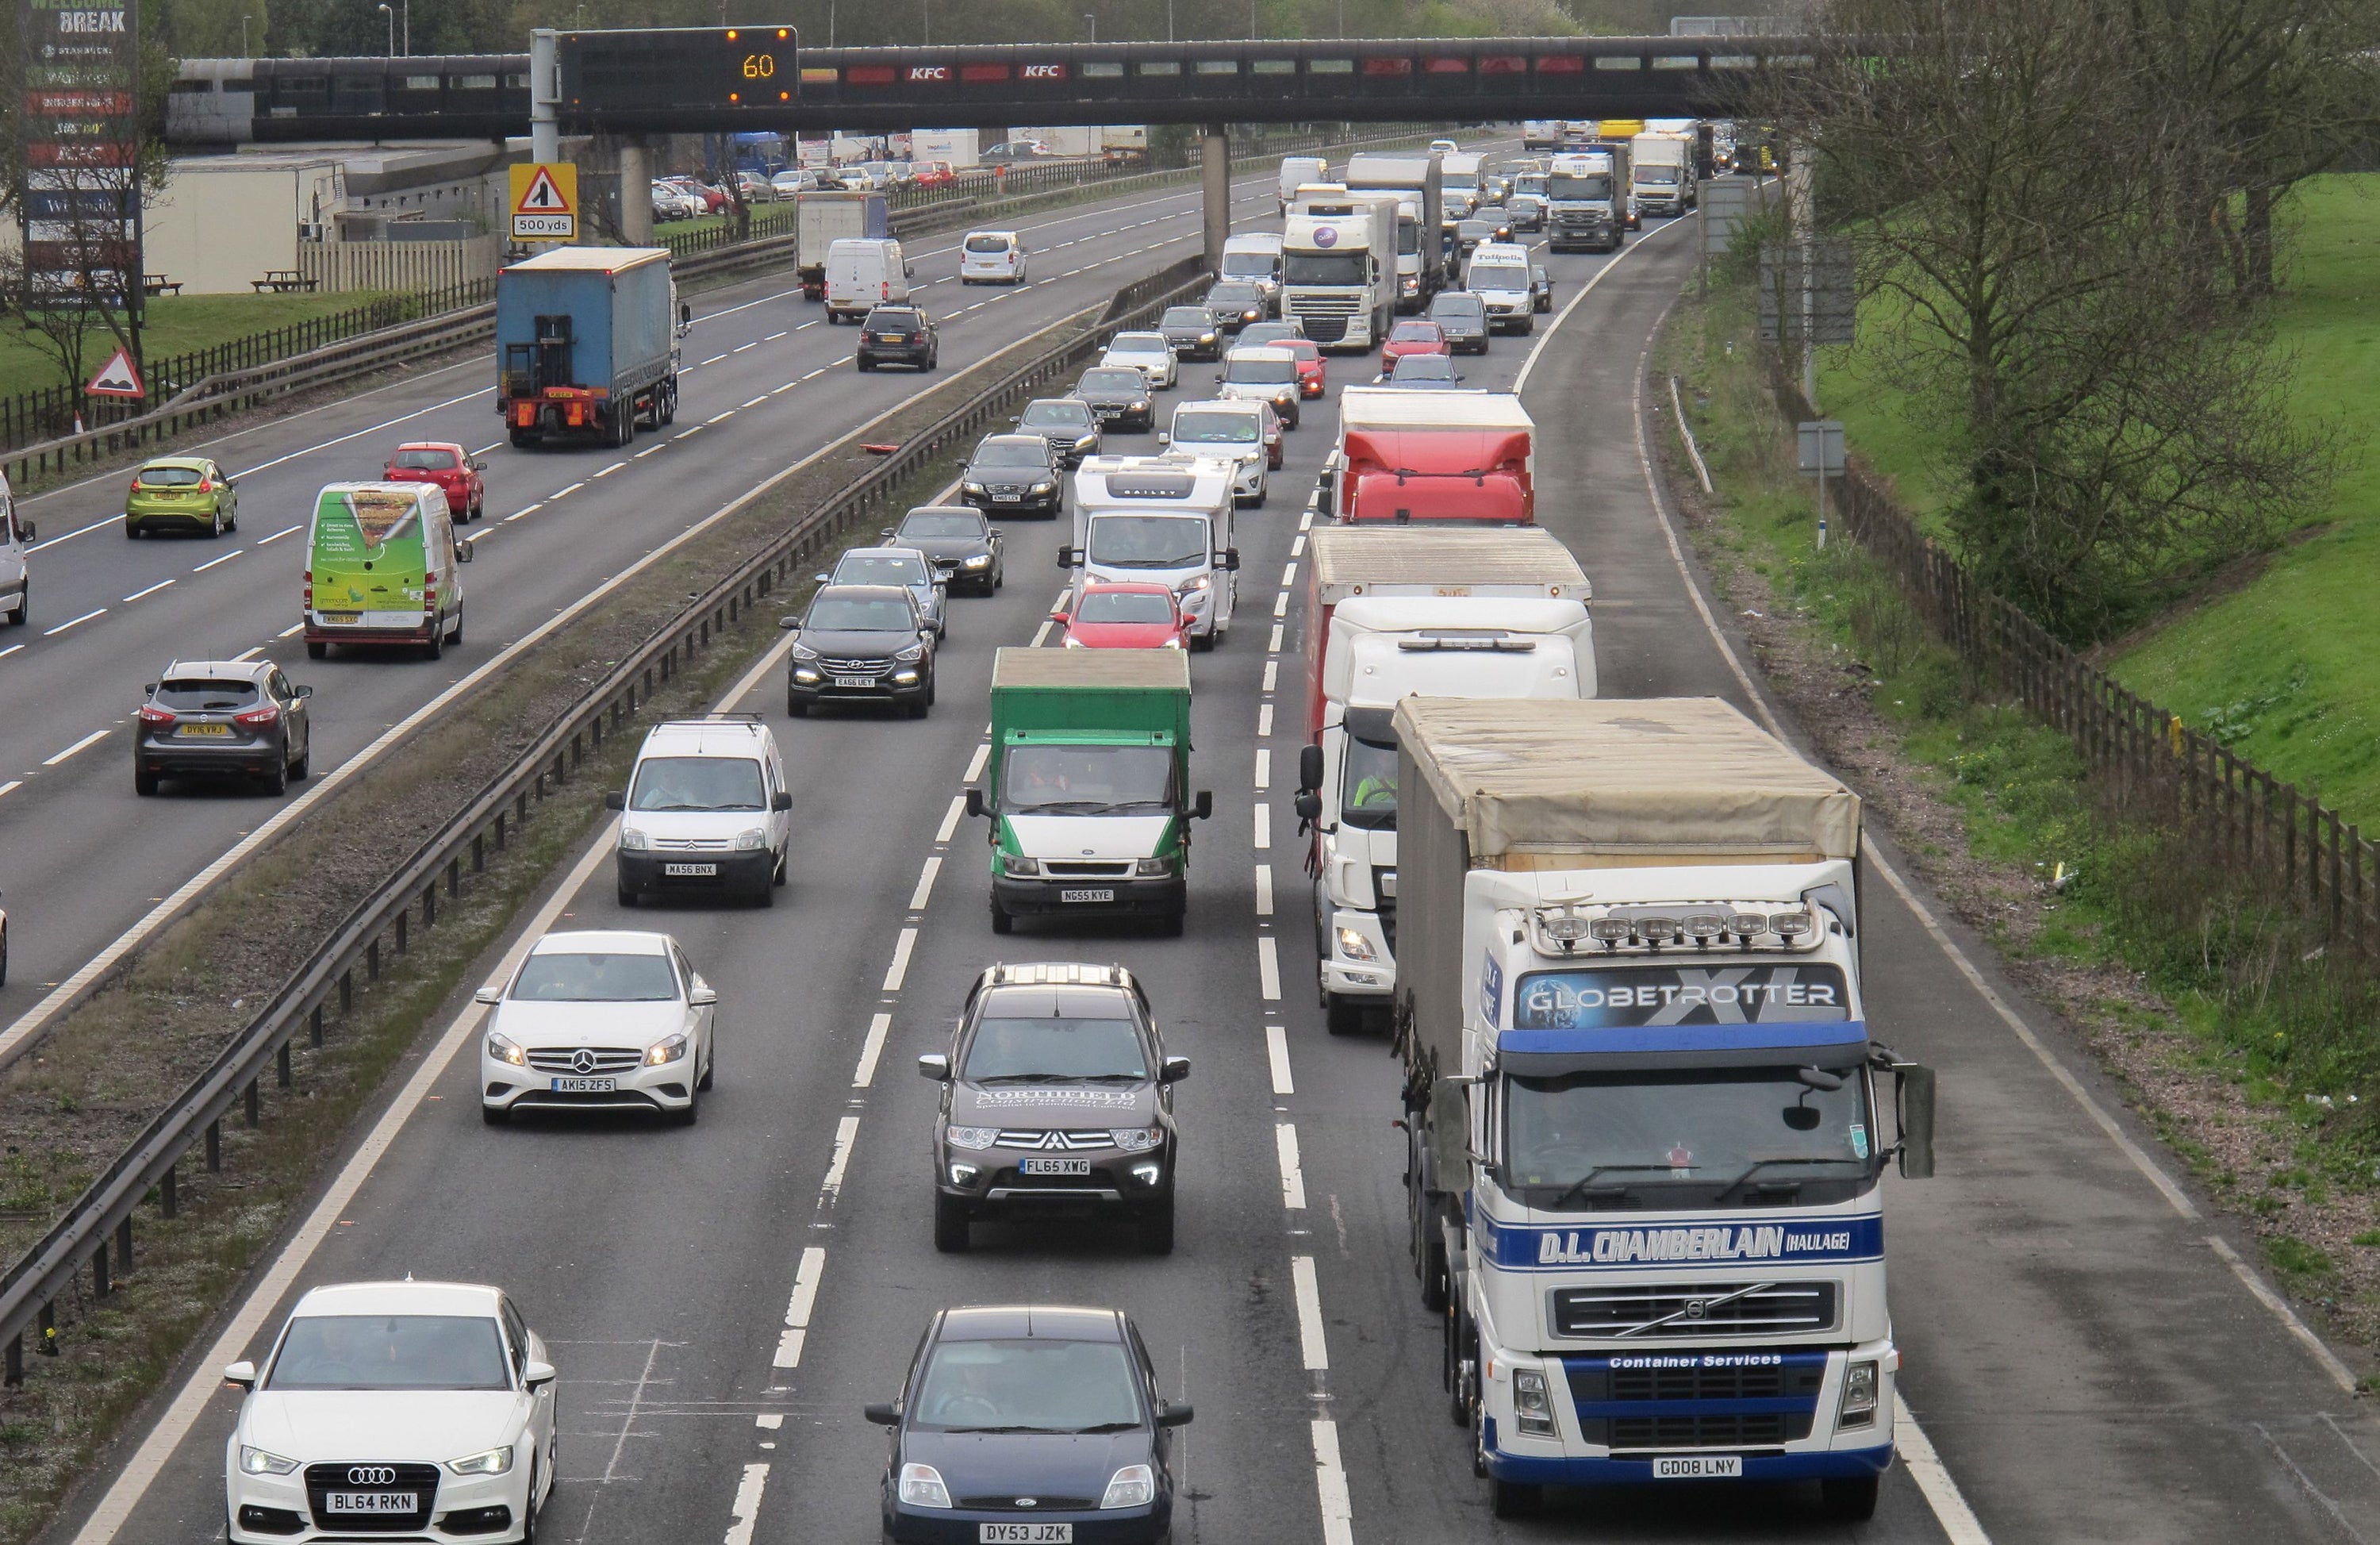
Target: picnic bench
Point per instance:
(280, 280)
(155, 285)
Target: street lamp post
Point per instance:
(388, 11)
(1093, 23)
(244, 20)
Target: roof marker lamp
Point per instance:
(1790, 925)
(1703, 926)
(1744, 925)
(1657, 931)
(1612, 933)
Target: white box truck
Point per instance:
(1662, 173)
(1339, 268)
(1421, 219)
(822, 219)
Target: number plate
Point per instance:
(1053, 1166)
(893, 338)
(1104, 414)
(855, 681)
(691, 871)
(1025, 1534)
(1086, 895)
(371, 1502)
(205, 729)
(1699, 1466)
(1006, 498)
(586, 1086)
(335, 618)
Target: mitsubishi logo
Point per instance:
(582, 1061)
(372, 1475)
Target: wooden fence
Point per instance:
(2149, 763)
(399, 267)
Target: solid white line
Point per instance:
(2273, 1301)
(747, 1509)
(85, 744)
(1263, 721)
(1263, 768)
(797, 1309)
(1276, 1053)
(1331, 1484)
(152, 590)
(1263, 834)
(925, 884)
(1268, 969)
(76, 622)
(899, 972)
(1274, 648)
(1310, 1340)
(1925, 1467)
(1041, 633)
(224, 559)
(870, 1050)
(975, 770)
(1264, 889)
(1292, 1188)
(846, 1131)
(949, 826)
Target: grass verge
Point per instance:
(176, 324)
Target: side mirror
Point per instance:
(537, 1375)
(884, 531)
(1173, 1070)
(1328, 482)
(974, 802)
(821, 578)
(1064, 619)
(781, 800)
(1173, 1413)
(1308, 805)
(301, 692)
(24, 530)
(1202, 804)
(1917, 1102)
(1230, 560)
(616, 799)
(790, 625)
(882, 1414)
(1309, 767)
(1165, 437)
(494, 992)
(1069, 557)
(935, 1066)
(685, 316)
(463, 551)
(242, 1373)
(1450, 1130)
(703, 997)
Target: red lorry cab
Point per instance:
(1413, 457)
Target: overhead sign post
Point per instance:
(1820, 442)
(118, 377)
(545, 202)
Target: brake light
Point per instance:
(151, 714)
(135, 482)
(258, 718)
(206, 485)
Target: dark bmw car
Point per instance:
(1030, 1423)
(898, 335)
(1233, 305)
(217, 717)
(1191, 333)
(1014, 474)
(860, 644)
(1118, 398)
(965, 548)
(1068, 423)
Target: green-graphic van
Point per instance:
(383, 567)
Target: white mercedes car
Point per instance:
(600, 1019)
(1147, 352)
(422, 1410)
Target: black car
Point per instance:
(1031, 1422)
(1525, 212)
(1231, 304)
(1068, 423)
(1118, 396)
(1463, 317)
(1430, 373)
(897, 335)
(964, 546)
(1057, 1101)
(1014, 474)
(1191, 333)
(861, 643)
(1471, 233)
(216, 717)
(1541, 289)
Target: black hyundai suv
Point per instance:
(861, 643)
(1057, 1101)
(898, 335)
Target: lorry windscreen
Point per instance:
(1323, 268)
(1147, 542)
(1693, 1134)
(1408, 236)
(1593, 186)
(1650, 174)
(1087, 780)
(1368, 790)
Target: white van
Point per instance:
(1500, 276)
(16, 573)
(991, 258)
(706, 808)
(1298, 171)
(863, 273)
(1163, 520)
(1255, 259)
(1246, 434)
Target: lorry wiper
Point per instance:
(1578, 1187)
(1700, 1307)
(1760, 1164)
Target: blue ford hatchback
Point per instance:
(1030, 1424)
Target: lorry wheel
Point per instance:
(951, 1230)
(522, 439)
(1515, 1500)
(1850, 1498)
(1343, 1015)
(669, 402)
(1001, 922)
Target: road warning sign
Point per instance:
(545, 202)
(117, 378)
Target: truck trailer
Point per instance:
(825, 217)
(1406, 457)
(586, 344)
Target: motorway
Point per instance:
(2080, 1354)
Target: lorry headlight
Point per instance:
(1533, 1409)
(1354, 946)
(667, 1050)
(1138, 1139)
(1152, 868)
(263, 1462)
(1196, 582)
(503, 1051)
(1016, 866)
(634, 841)
(974, 1140)
(750, 841)
(1859, 1396)
(921, 1486)
(1134, 1486)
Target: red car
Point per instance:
(713, 198)
(450, 467)
(1311, 378)
(1412, 337)
(935, 173)
(1124, 616)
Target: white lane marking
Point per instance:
(1264, 722)
(741, 347)
(12, 649)
(925, 884)
(869, 1050)
(1264, 761)
(1289, 572)
(1277, 1053)
(806, 327)
(713, 361)
(152, 590)
(1292, 1182)
(291, 632)
(1281, 604)
(720, 417)
(1263, 827)
(1331, 1486)
(2273, 1301)
(1273, 674)
(773, 337)
(770, 1420)
(975, 770)
(846, 1131)
(747, 1509)
(1536, 350)
(1041, 633)
(1264, 889)
(614, 468)
(76, 623)
(1274, 647)
(1305, 521)
(211, 562)
(1298, 545)
(797, 1309)
(85, 744)
(525, 510)
(1310, 1340)
(949, 826)
(285, 530)
(755, 402)
(11, 785)
(898, 972)
(1925, 1467)
(648, 451)
(565, 492)
(1268, 969)
(249, 653)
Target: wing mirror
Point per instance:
(463, 552)
(301, 692)
(537, 1375)
(1308, 805)
(703, 997)
(616, 799)
(1230, 560)
(1165, 437)
(1173, 1070)
(1202, 804)
(935, 1066)
(821, 578)
(1064, 619)
(1309, 767)
(1173, 1413)
(975, 806)
(24, 530)
(242, 1373)
(781, 800)
(1449, 1128)
(882, 1414)
(494, 992)
(1070, 557)
(1915, 1098)
(790, 625)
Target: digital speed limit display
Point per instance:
(661, 69)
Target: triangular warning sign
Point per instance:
(541, 196)
(117, 378)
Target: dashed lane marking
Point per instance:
(76, 622)
(151, 591)
(869, 1050)
(1331, 1480)
(1311, 1343)
(1274, 647)
(949, 826)
(1263, 836)
(1264, 763)
(975, 769)
(1293, 1196)
(845, 1132)
(1277, 1053)
(1268, 969)
(285, 530)
(898, 972)
(925, 884)
(1264, 722)
(213, 563)
(746, 1510)
(798, 1308)
(1264, 889)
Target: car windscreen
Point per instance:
(1455, 308)
(390, 1352)
(1030, 457)
(1261, 372)
(1138, 343)
(1265, 335)
(1575, 185)
(1324, 268)
(1087, 780)
(1234, 294)
(1185, 316)
(1423, 367)
(987, 244)
(1685, 1129)
(1147, 540)
(1115, 382)
(941, 526)
(198, 696)
(1367, 787)
(1214, 428)
(425, 461)
(880, 568)
(1499, 276)
(1056, 415)
(1033, 1049)
(568, 977)
(1415, 333)
(697, 783)
(1128, 606)
(169, 477)
(1035, 1385)
(851, 615)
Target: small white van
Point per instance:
(862, 273)
(16, 573)
(991, 258)
(1296, 171)
(1255, 259)
(706, 808)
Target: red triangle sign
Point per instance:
(117, 378)
(542, 197)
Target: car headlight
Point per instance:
(1140, 405)
(1018, 866)
(503, 1051)
(487, 1461)
(1134, 1486)
(911, 655)
(263, 1462)
(634, 841)
(1152, 868)
(1070, 641)
(979, 560)
(750, 841)
(804, 651)
(1206, 337)
(1085, 442)
(1354, 946)
(921, 1486)
(1859, 1396)
(667, 1050)
(973, 1138)
(1045, 486)
(971, 486)
(1533, 1409)
(1138, 1139)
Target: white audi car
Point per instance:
(1147, 352)
(421, 1410)
(599, 1019)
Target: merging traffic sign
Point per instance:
(117, 378)
(545, 202)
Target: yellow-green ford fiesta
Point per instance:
(180, 492)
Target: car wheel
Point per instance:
(305, 762)
(4, 955)
(436, 648)
(692, 1112)
(950, 1227)
(1170, 926)
(215, 526)
(999, 577)
(456, 637)
(131, 531)
(529, 1509)
(779, 877)
(23, 613)
(143, 783)
(766, 896)
(796, 708)
(495, 1115)
(626, 894)
(920, 706)
(316, 651)
(710, 1068)
(277, 781)
(865, 363)
(1157, 1227)
(1516, 1498)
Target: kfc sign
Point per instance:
(930, 72)
(1045, 72)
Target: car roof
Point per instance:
(1265, 351)
(221, 670)
(1007, 235)
(967, 510)
(462, 1299)
(1034, 440)
(1244, 407)
(866, 592)
(1125, 586)
(602, 941)
(908, 555)
(1029, 1322)
(1138, 336)
(720, 735)
(1053, 402)
(430, 445)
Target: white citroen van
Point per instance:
(862, 273)
(706, 809)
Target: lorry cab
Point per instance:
(383, 567)
(1586, 203)
(16, 569)
(1163, 520)
(862, 273)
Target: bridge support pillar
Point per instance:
(635, 184)
(1215, 163)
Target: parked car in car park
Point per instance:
(705, 810)
(599, 1021)
(860, 644)
(181, 493)
(962, 543)
(1013, 474)
(447, 464)
(217, 718)
(672, 202)
(1068, 423)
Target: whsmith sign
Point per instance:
(81, 116)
